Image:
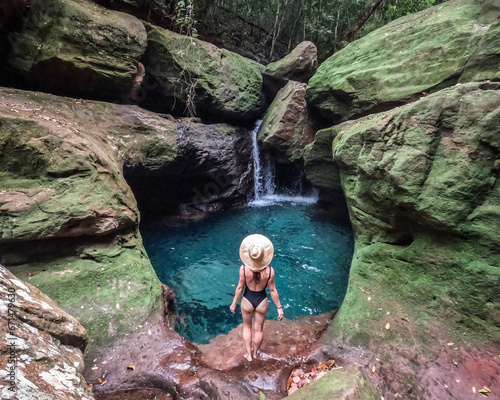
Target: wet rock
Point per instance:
(398, 62)
(43, 345)
(300, 65)
(196, 78)
(78, 48)
(286, 128)
(284, 342)
(164, 363)
(420, 183)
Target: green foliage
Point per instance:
(184, 22)
(285, 23)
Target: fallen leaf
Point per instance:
(100, 380)
(132, 367)
(473, 389)
(369, 298)
(458, 381)
(91, 386)
(94, 368)
(31, 273)
(451, 344)
(373, 368)
(388, 326)
(106, 381)
(104, 362)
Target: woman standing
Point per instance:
(256, 252)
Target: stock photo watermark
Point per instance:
(11, 338)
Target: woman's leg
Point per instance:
(247, 313)
(258, 327)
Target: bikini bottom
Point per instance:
(255, 298)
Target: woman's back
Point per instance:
(251, 283)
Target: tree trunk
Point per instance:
(360, 22)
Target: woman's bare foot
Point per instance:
(256, 354)
(247, 357)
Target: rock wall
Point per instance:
(421, 184)
(70, 219)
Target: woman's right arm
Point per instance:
(239, 290)
(275, 296)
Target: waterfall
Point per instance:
(264, 179)
(263, 173)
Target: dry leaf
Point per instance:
(473, 389)
(373, 369)
(388, 326)
(132, 367)
(100, 380)
(451, 344)
(106, 381)
(369, 298)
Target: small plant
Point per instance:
(184, 18)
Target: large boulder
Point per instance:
(70, 219)
(300, 65)
(421, 183)
(286, 128)
(405, 59)
(41, 351)
(197, 78)
(76, 47)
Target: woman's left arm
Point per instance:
(275, 296)
(239, 290)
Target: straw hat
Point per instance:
(256, 252)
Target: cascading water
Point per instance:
(263, 174)
(264, 180)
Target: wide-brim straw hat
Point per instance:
(256, 252)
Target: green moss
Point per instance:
(109, 289)
(349, 382)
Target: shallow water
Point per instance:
(200, 262)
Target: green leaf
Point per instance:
(262, 396)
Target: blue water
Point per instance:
(200, 262)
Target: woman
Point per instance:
(256, 252)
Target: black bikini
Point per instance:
(254, 297)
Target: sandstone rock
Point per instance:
(324, 174)
(421, 187)
(78, 48)
(195, 77)
(69, 215)
(350, 383)
(395, 64)
(42, 345)
(286, 129)
(300, 65)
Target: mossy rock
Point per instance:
(422, 52)
(200, 78)
(421, 186)
(286, 128)
(77, 47)
(347, 383)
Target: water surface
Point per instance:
(200, 262)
